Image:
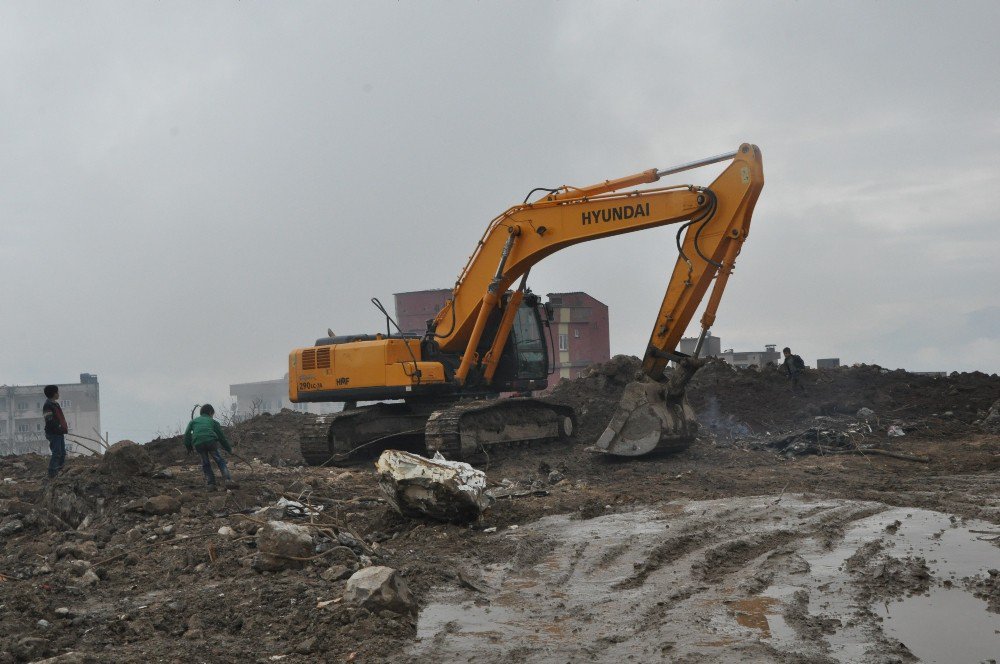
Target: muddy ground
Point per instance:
(784, 534)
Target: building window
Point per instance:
(22, 428)
(65, 403)
(38, 427)
(3, 404)
(3, 428)
(563, 342)
(576, 333)
(22, 405)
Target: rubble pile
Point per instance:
(274, 439)
(837, 408)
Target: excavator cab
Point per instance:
(524, 363)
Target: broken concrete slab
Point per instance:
(436, 488)
(281, 546)
(377, 588)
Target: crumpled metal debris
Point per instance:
(437, 488)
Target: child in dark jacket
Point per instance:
(204, 435)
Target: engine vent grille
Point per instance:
(316, 358)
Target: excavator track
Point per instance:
(355, 435)
(465, 429)
(456, 430)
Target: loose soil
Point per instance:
(728, 551)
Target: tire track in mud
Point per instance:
(747, 579)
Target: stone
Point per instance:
(89, 578)
(11, 527)
(335, 573)
(991, 423)
(77, 550)
(30, 648)
(126, 459)
(43, 624)
(307, 646)
(436, 488)
(377, 588)
(280, 544)
(75, 567)
(160, 505)
(865, 413)
(226, 531)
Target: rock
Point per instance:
(30, 648)
(160, 505)
(279, 544)
(89, 578)
(991, 423)
(336, 573)
(69, 658)
(63, 612)
(75, 567)
(307, 646)
(865, 413)
(11, 527)
(43, 624)
(163, 474)
(226, 531)
(376, 588)
(437, 488)
(76, 550)
(126, 459)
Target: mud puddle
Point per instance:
(766, 579)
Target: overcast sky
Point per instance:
(190, 190)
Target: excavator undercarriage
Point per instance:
(467, 430)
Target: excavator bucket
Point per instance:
(652, 415)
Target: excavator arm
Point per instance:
(716, 220)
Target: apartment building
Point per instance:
(22, 425)
(270, 396)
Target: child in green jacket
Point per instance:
(204, 435)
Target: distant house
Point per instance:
(751, 358)
(270, 396)
(22, 426)
(711, 347)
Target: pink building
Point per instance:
(580, 334)
(580, 331)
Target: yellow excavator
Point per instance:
(488, 339)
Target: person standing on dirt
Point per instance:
(793, 366)
(204, 435)
(55, 429)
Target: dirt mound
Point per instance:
(273, 439)
(126, 459)
(734, 403)
(596, 393)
